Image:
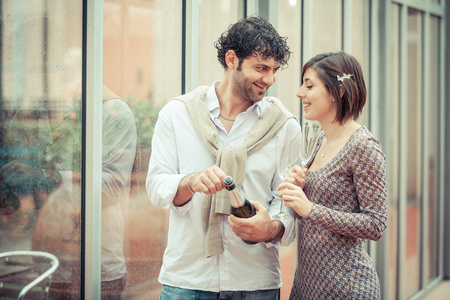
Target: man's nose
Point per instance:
(269, 79)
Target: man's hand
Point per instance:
(259, 228)
(209, 181)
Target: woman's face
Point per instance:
(317, 102)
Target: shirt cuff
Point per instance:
(169, 192)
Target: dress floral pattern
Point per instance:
(349, 196)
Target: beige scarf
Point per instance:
(231, 159)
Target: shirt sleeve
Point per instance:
(118, 150)
(288, 223)
(369, 179)
(163, 175)
(290, 136)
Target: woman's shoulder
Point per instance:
(363, 135)
(363, 142)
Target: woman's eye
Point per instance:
(309, 86)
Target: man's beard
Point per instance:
(242, 88)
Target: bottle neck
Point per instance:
(236, 199)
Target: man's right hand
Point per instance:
(209, 181)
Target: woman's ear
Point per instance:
(341, 90)
(231, 59)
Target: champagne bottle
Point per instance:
(240, 207)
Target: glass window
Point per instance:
(41, 127)
(414, 153)
(360, 41)
(360, 31)
(214, 19)
(327, 26)
(288, 80)
(394, 152)
(432, 161)
(142, 60)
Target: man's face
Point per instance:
(253, 77)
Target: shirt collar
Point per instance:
(213, 102)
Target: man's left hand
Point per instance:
(258, 228)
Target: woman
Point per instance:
(341, 200)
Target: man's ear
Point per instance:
(231, 59)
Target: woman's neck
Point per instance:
(334, 131)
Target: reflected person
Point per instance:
(56, 180)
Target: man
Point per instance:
(227, 129)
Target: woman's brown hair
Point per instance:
(333, 69)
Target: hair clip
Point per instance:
(344, 76)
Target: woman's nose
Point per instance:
(300, 93)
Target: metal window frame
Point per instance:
(380, 83)
(445, 144)
(426, 9)
(91, 185)
(379, 115)
(190, 31)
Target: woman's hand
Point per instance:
(294, 197)
(297, 176)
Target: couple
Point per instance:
(230, 128)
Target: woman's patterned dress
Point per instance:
(349, 196)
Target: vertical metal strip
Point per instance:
(92, 177)
(307, 30)
(2, 99)
(444, 223)
(424, 257)
(273, 19)
(373, 84)
(384, 79)
(402, 149)
(252, 7)
(183, 48)
(192, 18)
(307, 36)
(347, 26)
(374, 112)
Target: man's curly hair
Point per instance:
(253, 36)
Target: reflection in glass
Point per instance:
(40, 161)
(142, 63)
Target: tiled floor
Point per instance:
(441, 292)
